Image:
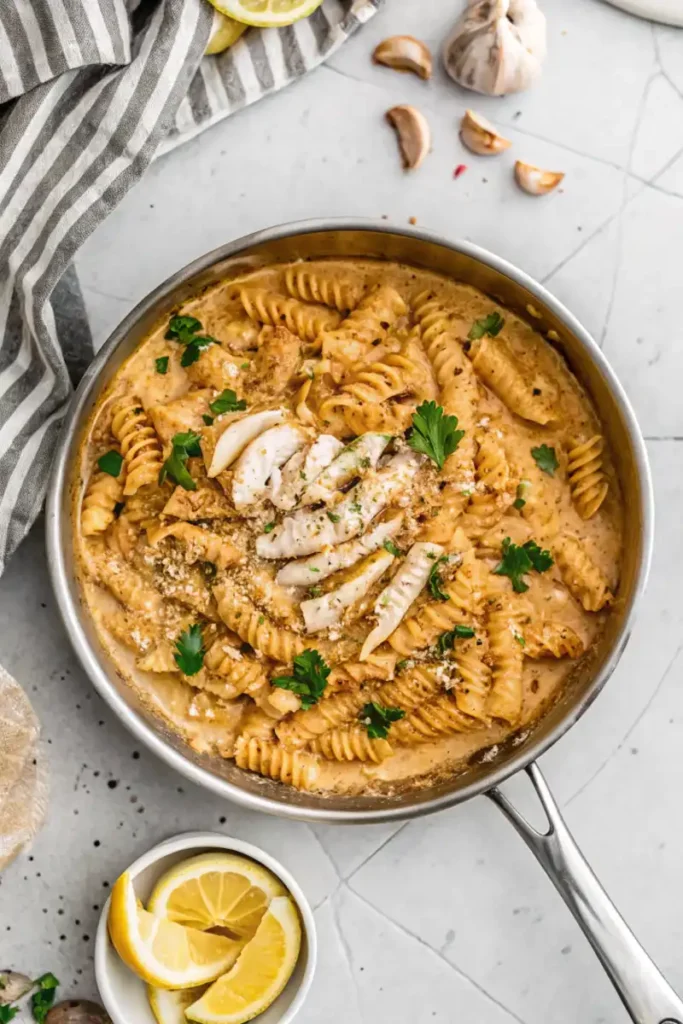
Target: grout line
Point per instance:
(374, 853)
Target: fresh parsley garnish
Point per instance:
(545, 459)
(434, 581)
(111, 462)
(244, 366)
(446, 641)
(491, 325)
(189, 650)
(308, 680)
(207, 419)
(356, 507)
(161, 364)
(523, 490)
(44, 997)
(434, 434)
(392, 548)
(209, 570)
(184, 446)
(7, 1013)
(520, 639)
(333, 518)
(227, 401)
(182, 328)
(315, 591)
(377, 719)
(269, 527)
(194, 349)
(518, 560)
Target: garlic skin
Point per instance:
(497, 46)
(535, 180)
(480, 136)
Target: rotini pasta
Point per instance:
(139, 444)
(586, 476)
(305, 320)
(326, 537)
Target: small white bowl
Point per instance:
(124, 995)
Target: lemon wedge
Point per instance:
(224, 32)
(216, 890)
(267, 13)
(259, 976)
(163, 953)
(169, 1007)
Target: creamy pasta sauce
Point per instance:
(368, 483)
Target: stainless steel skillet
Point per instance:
(645, 993)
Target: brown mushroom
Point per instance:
(536, 181)
(414, 135)
(404, 53)
(77, 1011)
(13, 986)
(480, 136)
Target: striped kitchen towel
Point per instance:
(90, 92)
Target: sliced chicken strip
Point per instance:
(267, 452)
(355, 459)
(397, 597)
(238, 435)
(318, 567)
(302, 469)
(321, 612)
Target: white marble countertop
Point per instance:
(447, 918)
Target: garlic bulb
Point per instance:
(497, 46)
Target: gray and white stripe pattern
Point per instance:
(93, 90)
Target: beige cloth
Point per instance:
(23, 771)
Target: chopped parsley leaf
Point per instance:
(269, 527)
(491, 325)
(189, 650)
(434, 434)
(161, 364)
(392, 548)
(209, 570)
(520, 639)
(182, 328)
(400, 665)
(315, 591)
(227, 401)
(356, 507)
(308, 679)
(44, 997)
(434, 581)
(447, 640)
(333, 518)
(517, 561)
(207, 419)
(118, 508)
(111, 462)
(184, 446)
(545, 459)
(194, 349)
(244, 366)
(365, 463)
(377, 719)
(523, 491)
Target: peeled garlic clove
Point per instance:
(13, 986)
(404, 53)
(414, 135)
(480, 135)
(496, 46)
(77, 1011)
(536, 181)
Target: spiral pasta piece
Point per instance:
(465, 599)
(507, 654)
(410, 689)
(439, 717)
(300, 318)
(327, 714)
(101, 498)
(241, 672)
(582, 576)
(158, 659)
(533, 399)
(140, 445)
(370, 321)
(296, 768)
(130, 588)
(329, 287)
(552, 640)
(493, 471)
(587, 480)
(201, 545)
(351, 744)
(122, 537)
(472, 690)
(251, 625)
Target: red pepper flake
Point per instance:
(460, 169)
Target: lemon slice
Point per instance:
(259, 976)
(216, 890)
(169, 1007)
(163, 953)
(267, 13)
(224, 32)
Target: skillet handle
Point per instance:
(644, 991)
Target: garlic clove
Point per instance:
(480, 136)
(414, 135)
(497, 46)
(13, 986)
(536, 181)
(404, 53)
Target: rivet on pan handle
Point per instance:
(645, 992)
